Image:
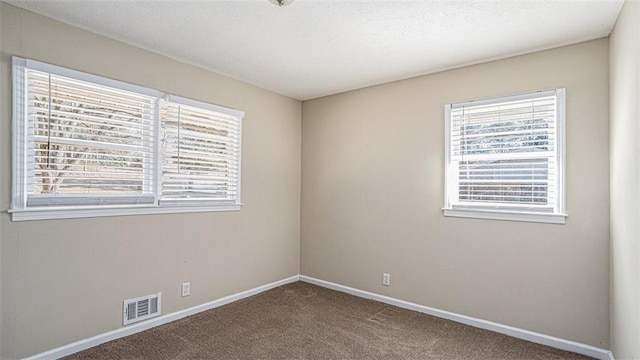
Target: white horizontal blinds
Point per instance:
(505, 152)
(87, 143)
(82, 141)
(201, 154)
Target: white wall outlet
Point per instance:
(386, 279)
(186, 289)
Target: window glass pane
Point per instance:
(504, 153)
(201, 153)
(521, 181)
(69, 169)
(86, 138)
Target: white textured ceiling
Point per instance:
(313, 48)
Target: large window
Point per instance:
(89, 146)
(505, 158)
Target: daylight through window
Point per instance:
(505, 158)
(90, 146)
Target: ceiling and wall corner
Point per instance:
(313, 48)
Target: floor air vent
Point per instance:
(141, 308)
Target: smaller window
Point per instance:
(505, 158)
(201, 153)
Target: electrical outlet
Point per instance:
(186, 289)
(386, 279)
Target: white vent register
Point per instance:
(141, 308)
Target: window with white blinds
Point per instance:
(201, 148)
(90, 146)
(505, 158)
(86, 143)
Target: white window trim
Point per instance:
(507, 215)
(21, 212)
(502, 212)
(71, 212)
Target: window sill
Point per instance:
(51, 213)
(506, 215)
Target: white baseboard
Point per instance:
(132, 329)
(555, 342)
(538, 338)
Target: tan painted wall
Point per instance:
(372, 193)
(625, 183)
(64, 280)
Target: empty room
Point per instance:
(319, 179)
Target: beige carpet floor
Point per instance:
(303, 321)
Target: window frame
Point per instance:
(506, 211)
(19, 208)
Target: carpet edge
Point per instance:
(90, 342)
(538, 338)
